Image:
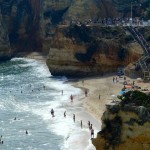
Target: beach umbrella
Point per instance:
(122, 92)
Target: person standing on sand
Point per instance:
(133, 82)
(92, 133)
(74, 117)
(91, 127)
(86, 93)
(89, 124)
(99, 96)
(124, 78)
(62, 92)
(113, 79)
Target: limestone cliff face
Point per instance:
(81, 50)
(5, 50)
(21, 20)
(124, 128)
(30, 24)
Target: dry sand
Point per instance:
(107, 90)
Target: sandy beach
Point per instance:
(100, 91)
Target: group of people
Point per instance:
(1, 141)
(74, 119)
(91, 129)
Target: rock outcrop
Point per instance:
(5, 50)
(125, 126)
(87, 51)
(21, 19)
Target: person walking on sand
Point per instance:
(62, 92)
(64, 113)
(99, 96)
(92, 133)
(74, 117)
(81, 123)
(71, 97)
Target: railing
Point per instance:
(143, 60)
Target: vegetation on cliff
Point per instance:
(136, 98)
(118, 125)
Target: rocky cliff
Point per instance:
(21, 19)
(82, 50)
(30, 23)
(5, 50)
(126, 125)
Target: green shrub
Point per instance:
(136, 97)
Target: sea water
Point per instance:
(27, 94)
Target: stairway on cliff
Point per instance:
(144, 61)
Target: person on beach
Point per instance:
(65, 114)
(71, 98)
(15, 118)
(86, 93)
(133, 82)
(113, 79)
(52, 112)
(74, 117)
(89, 124)
(124, 77)
(116, 79)
(92, 133)
(62, 92)
(81, 123)
(91, 127)
(99, 96)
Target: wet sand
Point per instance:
(101, 91)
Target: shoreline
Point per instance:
(93, 108)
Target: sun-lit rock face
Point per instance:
(124, 128)
(87, 51)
